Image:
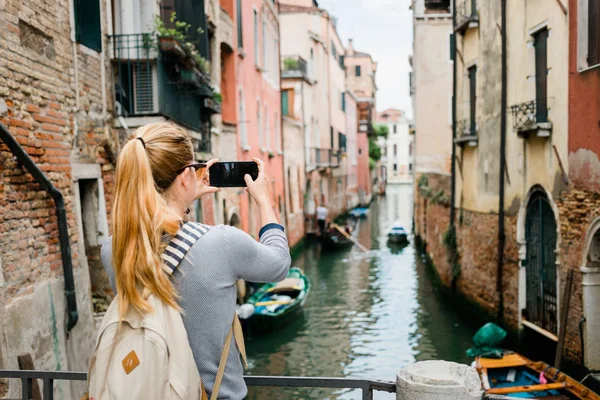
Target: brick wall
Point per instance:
(40, 107)
(478, 249)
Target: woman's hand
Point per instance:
(203, 187)
(259, 189)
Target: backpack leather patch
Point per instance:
(130, 362)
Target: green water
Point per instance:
(368, 314)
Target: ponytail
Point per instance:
(145, 169)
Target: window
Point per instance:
(343, 101)
(87, 24)
(278, 132)
(331, 136)
(472, 97)
(395, 128)
(259, 126)
(267, 131)
(395, 167)
(242, 122)
(541, 75)
(593, 32)
(255, 37)
(333, 50)
(359, 152)
(342, 141)
(357, 70)
(342, 62)
(240, 36)
(395, 150)
(452, 46)
(264, 43)
(285, 103)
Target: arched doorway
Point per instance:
(540, 263)
(235, 221)
(590, 282)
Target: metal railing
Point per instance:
(365, 385)
(294, 66)
(465, 127)
(323, 157)
(466, 11)
(440, 5)
(527, 115)
(156, 76)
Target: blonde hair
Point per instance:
(145, 170)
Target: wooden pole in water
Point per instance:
(343, 232)
(563, 319)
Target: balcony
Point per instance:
(531, 119)
(466, 16)
(322, 158)
(466, 133)
(437, 6)
(294, 67)
(158, 77)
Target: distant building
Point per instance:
(313, 83)
(258, 87)
(396, 147)
(361, 73)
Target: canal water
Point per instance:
(367, 315)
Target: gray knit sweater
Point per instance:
(206, 283)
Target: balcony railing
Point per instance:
(322, 158)
(438, 5)
(531, 116)
(466, 15)
(466, 133)
(294, 67)
(156, 76)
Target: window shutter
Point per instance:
(341, 61)
(192, 12)
(87, 23)
(284, 103)
(240, 36)
(594, 33)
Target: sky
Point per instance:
(382, 28)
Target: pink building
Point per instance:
(258, 95)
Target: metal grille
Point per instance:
(540, 235)
(524, 115)
(144, 88)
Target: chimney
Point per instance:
(350, 49)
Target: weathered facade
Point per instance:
(68, 98)
(361, 73)
(510, 258)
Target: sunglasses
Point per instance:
(195, 165)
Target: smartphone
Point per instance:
(231, 174)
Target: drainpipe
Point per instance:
(453, 164)
(503, 106)
(61, 215)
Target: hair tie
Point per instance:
(141, 140)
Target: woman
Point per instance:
(156, 184)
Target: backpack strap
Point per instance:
(236, 332)
(180, 244)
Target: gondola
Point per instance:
(274, 303)
(334, 240)
(514, 376)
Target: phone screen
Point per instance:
(231, 174)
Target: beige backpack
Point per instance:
(149, 357)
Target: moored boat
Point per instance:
(359, 212)
(515, 376)
(273, 303)
(398, 234)
(336, 241)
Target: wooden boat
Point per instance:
(336, 241)
(273, 303)
(514, 376)
(359, 212)
(398, 234)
